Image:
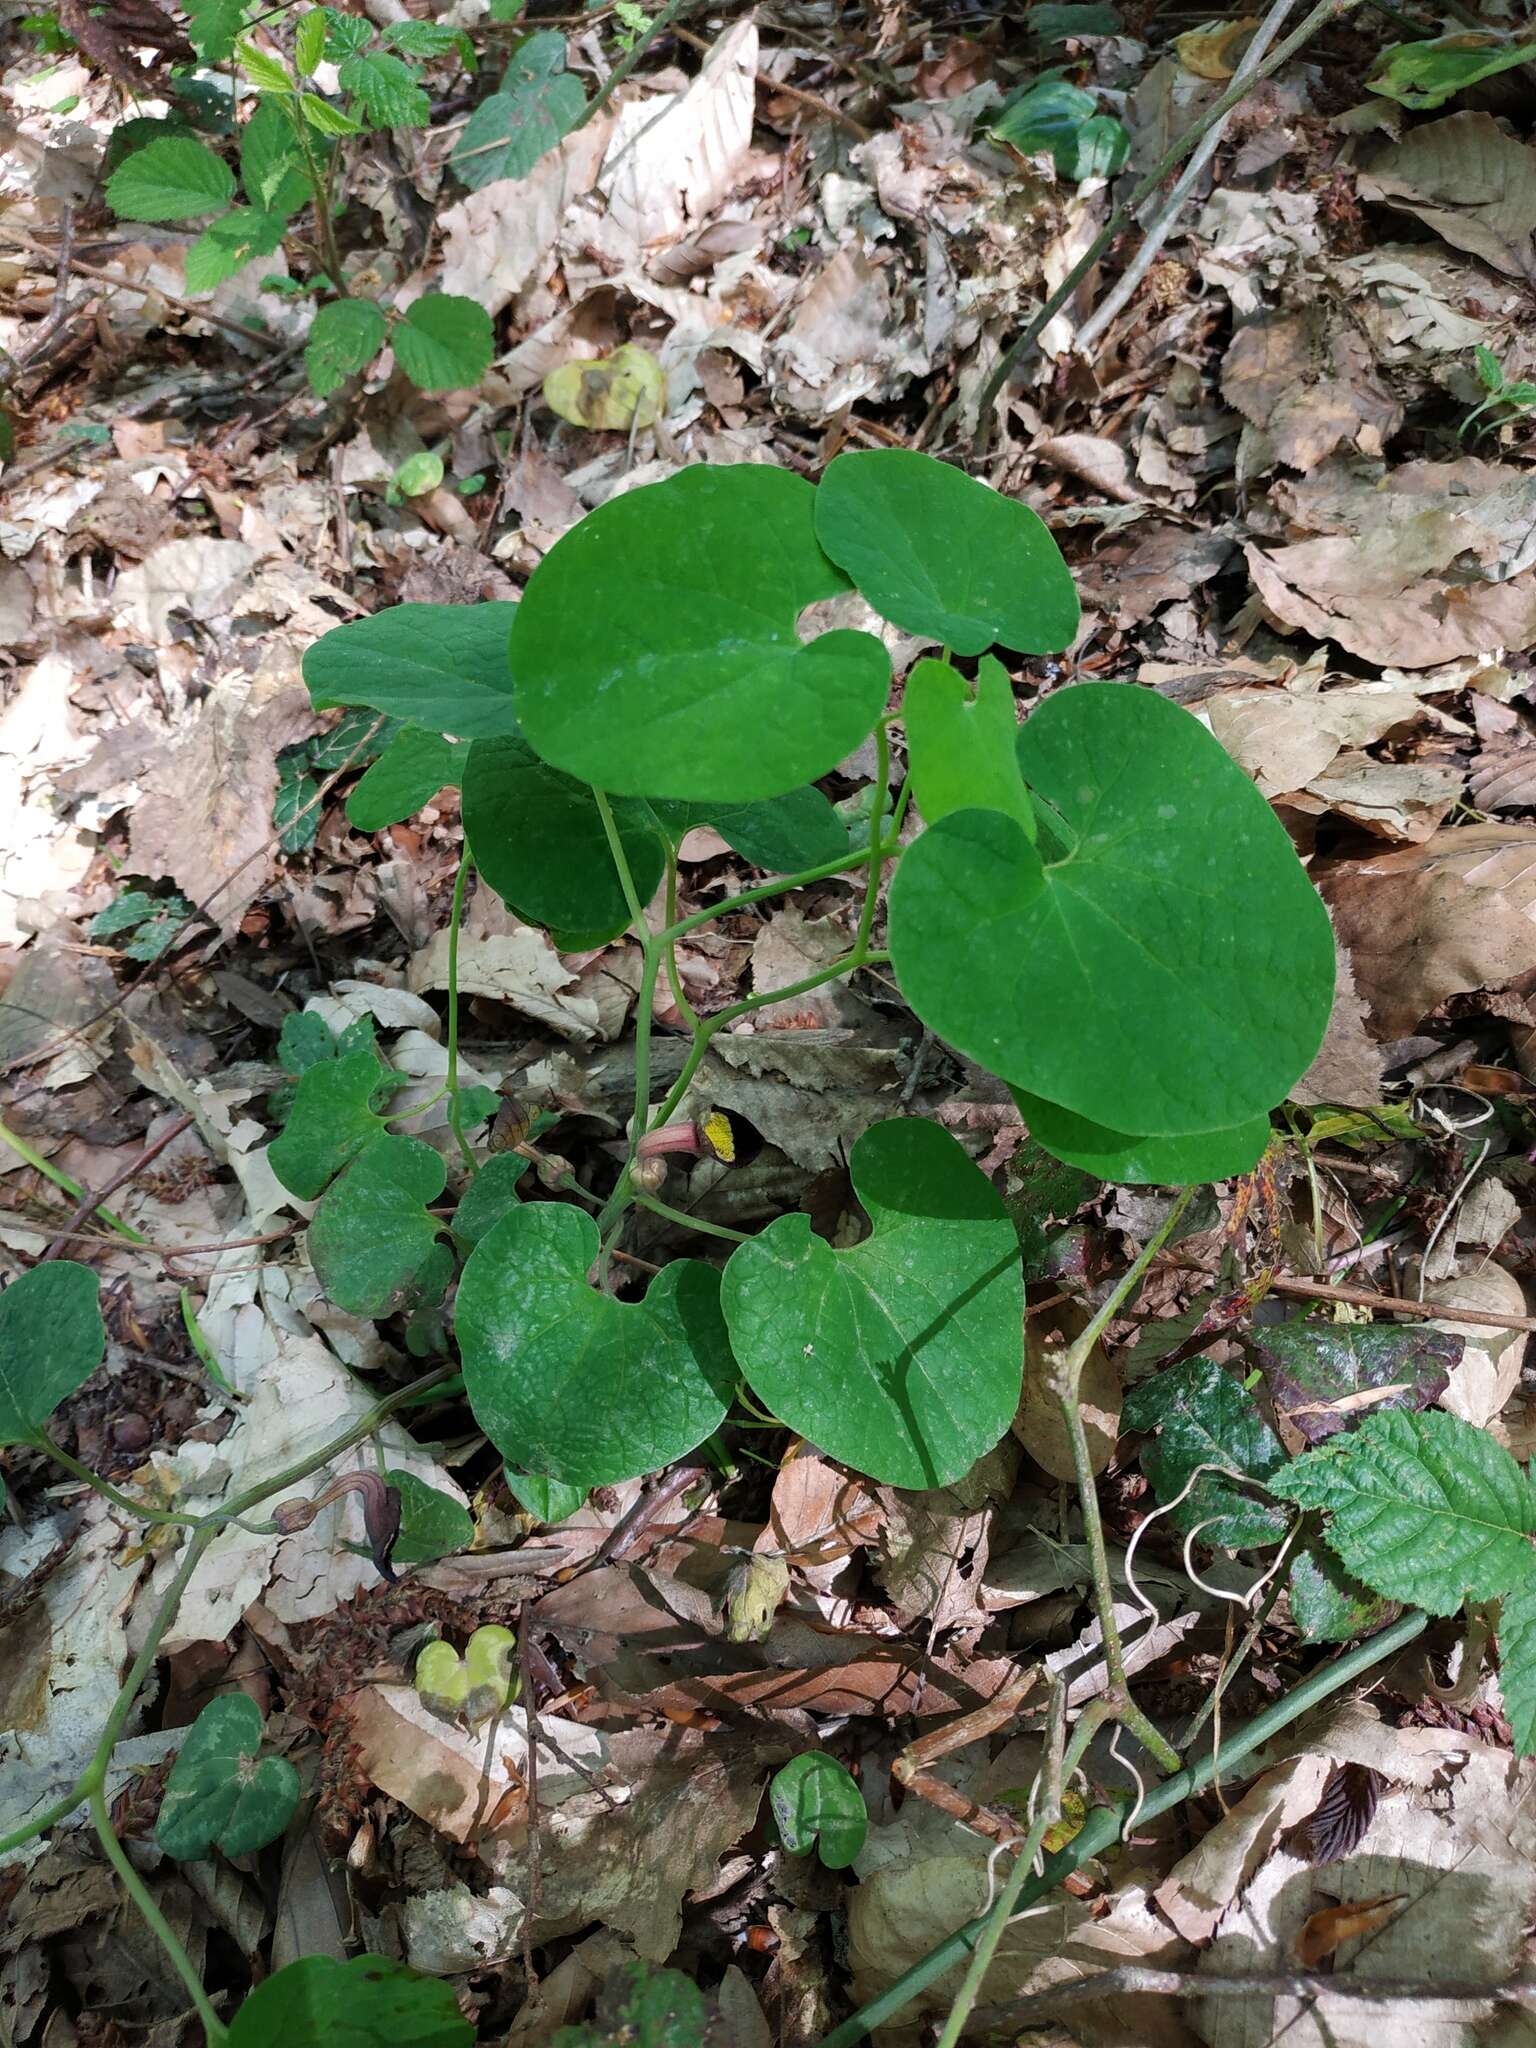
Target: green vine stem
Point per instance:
(1105, 1824)
(451, 1077)
(71, 1187)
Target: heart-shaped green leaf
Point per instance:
(815, 1801)
(568, 1381)
(432, 1524)
(1172, 973)
(656, 648)
(902, 1357)
(489, 1197)
(443, 666)
(941, 554)
(779, 834)
(1157, 1162)
(374, 1248)
(408, 774)
(961, 742)
(371, 2002)
(333, 1119)
(538, 840)
(476, 1685)
(218, 1793)
(51, 1340)
(548, 1500)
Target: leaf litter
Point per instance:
(1280, 514)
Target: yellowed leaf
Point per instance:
(610, 394)
(1215, 49)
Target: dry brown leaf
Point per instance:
(496, 240)
(1285, 738)
(1156, 563)
(1038, 1425)
(671, 163)
(1432, 921)
(1349, 1063)
(1467, 179)
(1489, 1371)
(1309, 381)
(1328, 1929)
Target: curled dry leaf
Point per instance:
(1329, 1928)
(1038, 1425)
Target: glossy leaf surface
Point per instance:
(218, 1793)
(443, 666)
(51, 1340)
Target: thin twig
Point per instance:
(151, 291)
(1394, 1304)
(794, 92)
(673, 11)
(89, 1203)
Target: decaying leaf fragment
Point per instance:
(613, 392)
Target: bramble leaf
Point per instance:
(217, 1794)
(903, 1356)
(387, 89)
(1204, 1416)
(371, 2002)
(1157, 1162)
(536, 105)
(271, 168)
(943, 555)
(443, 666)
(656, 650)
(212, 27)
(816, 1802)
(51, 1340)
(229, 244)
(412, 769)
(1179, 922)
(172, 179)
(309, 42)
(538, 839)
(1327, 1605)
(332, 1120)
(325, 119)
(1517, 1661)
(344, 338)
(961, 742)
(374, 1248)
(1423, 1508)
(570, 1382)
(445, 342)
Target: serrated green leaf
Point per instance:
(443, 666)
(816, 1803)
(423, 38)
(412, 769)
(941, 554)
(132, 908)
(217, 1793)
(675, 607)
(345, 34)
(570, 1382)
(548, 1499)
(172, 179)
(538, 840)
(444, 343)
(51, 1340)
(309, 42)
(1142, 1162)
(1423, 1508)
(1427, 74)
(345, 338)
(387, 89)
(1327, 1605)
(272, 172)
(1204, 1416)
(371, 2002)
(212, 28)
(538, 103)
(331, 1122)
(901, 1357)
(374, 1248)
(491, 1195)
(326, 119)
(229, 244)
(266, 72)
(432, 1523)
(1310, 1367)
(1517, 1660)
(1180, 922)
(295, 815)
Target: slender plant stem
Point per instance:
(1324, 12)
(70, 1186)
(685, 1009)
(673, 11)
(214, 2029)
(160, 1517)
(320, 192)
(876, 867)
(1105, 1824)
(848, 864)
(701, 1223)
(451, 1077)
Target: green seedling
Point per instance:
(221, 1792)
(483, 1682)
(817, 1804)
(1519, 397)
(144, 926)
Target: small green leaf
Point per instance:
(901, 1357)
(1099, 149)
(412, 769)
(172, 179)
(424, 38)
(309, 42)
(941, 554)
(326, 119)
(345, 338)
(370, 2002)
(374, 1248)
(1517, 1660)
(642, 2006)
(432, 1524)
(345, 34)
(229, 244)
(271, 168)
(331, 1122)
(491, 1195)
(419, 474)
(387, 89)
(675, 608)
(444, 343)
(816, 1802)
(537, 104)
(1180, 922)
(304, 1041)
(51, 1340)
(212, 27)
(1143, 1162)
(217, 1793)
(1423, 1508)
(961, 742)
(778, 834)
(538, 840)
(550, 1500)
(1425, 75)
(1308, 1367)
(1060, 117)
(266, 72)
(573, 1383)
(443, 666)
(1327, 1605)
(1206, 1417)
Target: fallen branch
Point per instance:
(1137, 1980)
(1394, 1304)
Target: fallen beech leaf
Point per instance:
(1330, 1928)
